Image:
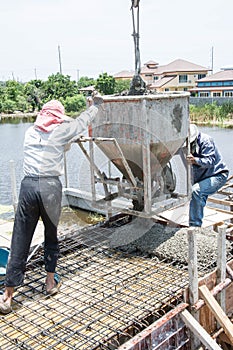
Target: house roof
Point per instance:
(87, 88)
(178, 65)
(151, 67)
(219, 76)
(160, 82)
(124, 74)
(153, 63)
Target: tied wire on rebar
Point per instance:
(107, 295)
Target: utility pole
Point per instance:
(212, 59)
(35, 73)
(59, 56)
(77, 75)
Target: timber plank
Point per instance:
(218, 312)
(199, 331)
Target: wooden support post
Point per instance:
(231, 209)
(13, 185)
(218, 312)
(221, 264)
(192, 266)
(65, 171)
(147, 177)
(193, 279)
(92, 171)
(199, 331)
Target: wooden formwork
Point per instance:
(219, 210)
(209, 320)
(105, 299)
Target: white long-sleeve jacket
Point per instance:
(44, 151)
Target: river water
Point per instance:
(11, 148)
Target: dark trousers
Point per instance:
(39, 197)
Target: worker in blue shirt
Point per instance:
(209, 172)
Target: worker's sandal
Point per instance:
(5, 308)
(57, 286)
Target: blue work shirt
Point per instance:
(208, 158)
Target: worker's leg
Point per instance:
(25, 222)
(197, 204)
(51, 195)
(200, 193)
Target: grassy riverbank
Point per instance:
(212, 115)
(222, 124)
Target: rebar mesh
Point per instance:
(106, 297)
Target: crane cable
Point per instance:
(135, 4)
(137, 85)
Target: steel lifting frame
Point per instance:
(129, 189)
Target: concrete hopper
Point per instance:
(144, 137)
(140, 135)
(160, 121)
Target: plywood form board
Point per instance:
(180, 215)
(207, 319)
(217, 311)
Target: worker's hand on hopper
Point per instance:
(89, 101)
(191, 159)
(97, 99)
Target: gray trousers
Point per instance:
(39, 197)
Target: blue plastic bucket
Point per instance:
(4, 254)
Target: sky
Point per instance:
(94, 37)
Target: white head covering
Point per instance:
(51, 114)
(193, 132)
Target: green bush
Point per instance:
(9, 106)
(22, 104)
(74, 103)
(226, 110)
(211, 112)
(121, 85)
(105, 84)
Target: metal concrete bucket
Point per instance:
(159, 122)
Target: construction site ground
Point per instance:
(117, 278)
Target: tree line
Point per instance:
(30, 96)
(211, 113)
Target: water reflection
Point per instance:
(11, 148)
